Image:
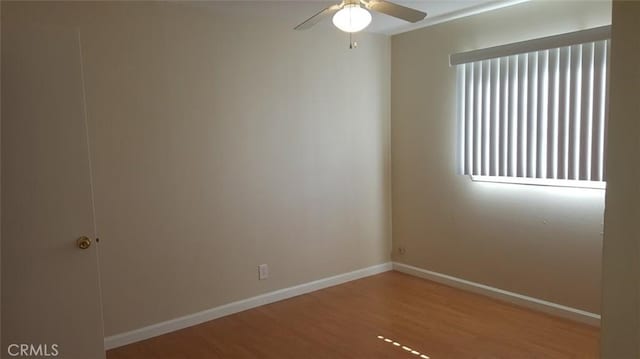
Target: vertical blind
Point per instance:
(540, 114)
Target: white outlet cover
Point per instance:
(263, 271)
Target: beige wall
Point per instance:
(221, 142)
(621, 260)
(541, 242)
(222, 139)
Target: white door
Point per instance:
(50, 287)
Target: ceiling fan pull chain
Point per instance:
(352, 44)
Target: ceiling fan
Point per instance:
(353, 15)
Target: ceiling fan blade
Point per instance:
(317, 17)
(395, 10)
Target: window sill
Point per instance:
(541, 182)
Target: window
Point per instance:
(535, 111)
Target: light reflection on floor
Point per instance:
(412, 351)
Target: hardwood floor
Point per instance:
(353, 320)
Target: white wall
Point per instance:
(541, 242)
(222, 139)
(621, 259)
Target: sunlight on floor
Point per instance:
(412, 351)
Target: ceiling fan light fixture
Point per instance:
(352, 18)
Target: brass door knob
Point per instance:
(83, 242)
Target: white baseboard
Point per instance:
(154, 330)
(515, 298)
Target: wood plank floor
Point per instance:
(353, 319)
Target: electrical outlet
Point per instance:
(402, 250)
(263, 271)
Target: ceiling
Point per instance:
(293, 12)
(437, 11)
